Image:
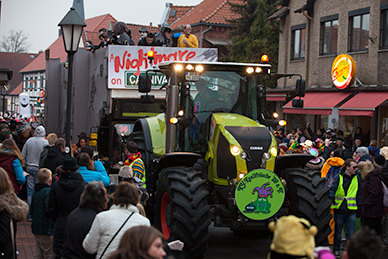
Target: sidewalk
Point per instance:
(25, 241)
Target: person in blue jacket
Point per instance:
(87, 170)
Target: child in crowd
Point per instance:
(42, 224)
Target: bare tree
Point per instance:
(15, 41)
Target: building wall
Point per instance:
(316, 69)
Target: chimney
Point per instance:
(150, 23)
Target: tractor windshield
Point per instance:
(215, 91)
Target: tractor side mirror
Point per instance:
(300, 87)
(297, 103)
(144, 83)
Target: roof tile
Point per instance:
(15, 62)
(208, 11)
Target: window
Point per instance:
(384, 26)
(359, 29)
(329, 34)
(298, 42)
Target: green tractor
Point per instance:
(212, 157)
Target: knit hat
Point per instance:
(70, 164)
(363, 151)
(283, 147)
(293, 236)
(143, 29)
(380, 160)
(40, 132)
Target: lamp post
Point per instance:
(71, 27)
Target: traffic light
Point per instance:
(300, 87)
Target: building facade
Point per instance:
(312, 33)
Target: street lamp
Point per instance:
(71, 27)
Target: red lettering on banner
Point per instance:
(136, 63)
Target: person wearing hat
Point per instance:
(31, 154)
(143, 33)
(293, 238)
(134, 160)
(362, 154)
(65, 196)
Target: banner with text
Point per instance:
(126, 63)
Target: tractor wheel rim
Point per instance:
(165, 215)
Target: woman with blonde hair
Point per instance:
(372, 196)
(141, 242)
(12, 161)
(12, 209)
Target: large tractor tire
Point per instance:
(182, 210)
(309, 199)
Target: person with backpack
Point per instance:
(332, 167)
(345, 193)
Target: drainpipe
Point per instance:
(208, 29)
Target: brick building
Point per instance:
(312, 33)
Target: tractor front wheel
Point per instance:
(182, 210)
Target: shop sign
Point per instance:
(260, 194)
(125, 63)
(343, 71)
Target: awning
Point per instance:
(318, 103)
(276, 97)
(363, 104)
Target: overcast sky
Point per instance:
(39, 18)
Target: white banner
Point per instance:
(24, 105)
(125, 63)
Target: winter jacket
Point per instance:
(43, 156)
(374, 149)
(346, 183)
(106, 224)
(143, 42)
(78, 224)
(54, 158)
(12, 165)
(161, 39)
(64, 198)
(32, 149)
(90, 175)
(365, 158)
(42, 223)
(192, 40)
(10, 206)
(372, 195)
(333, 161)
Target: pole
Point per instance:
(68, 105)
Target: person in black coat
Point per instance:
(149, 40)
(64, 198)
(55, 156)
(94, 199)
(372, 196)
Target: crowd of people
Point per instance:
(121, 35)
(73, 207)
(353, 170)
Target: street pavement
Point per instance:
(25, 241)
(223, 244)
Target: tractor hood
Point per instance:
(238, 143)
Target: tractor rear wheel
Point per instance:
(182, 210)
(309, 199)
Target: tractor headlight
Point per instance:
(235, 150)
(199, 68)
(273, 151)
(266, 156)
(250, 70)
(178, 67)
